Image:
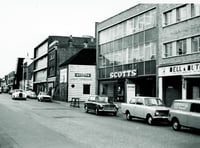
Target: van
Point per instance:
(185, 113)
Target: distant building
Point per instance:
(11, 80)
(27, 80)
(19, 73)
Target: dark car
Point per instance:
(100, 104)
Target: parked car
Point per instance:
(100, 104)
(18, 94)
(43, 96)
(31, 94)
(185, 113)
(148, 108)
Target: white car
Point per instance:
(31, 94)
(148, 108)
(185, 113)
(43, 96)
(18, 94)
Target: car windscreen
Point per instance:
(153, 102)
(102, 99)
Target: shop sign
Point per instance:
(187, 69)
(82, 74)
(123, 74)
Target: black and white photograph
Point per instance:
(99, 74)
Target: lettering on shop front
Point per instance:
(123, 74)
(185, 68)
(82, 75)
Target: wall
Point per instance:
(79, 75)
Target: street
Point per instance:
(33, 124)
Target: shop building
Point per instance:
(179, 57)
(78, 76)
(126, 53)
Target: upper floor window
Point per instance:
(181, 13)
(196, 44)
(195, 10)
(168, 49)
(168, 17)
(181, 47)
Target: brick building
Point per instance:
(179, 54)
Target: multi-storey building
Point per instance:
(179, 52)
(151, 50)
(61, 49)
(11, 80)
(27, 82)
(40, 67)
(126, 53)
(49, 55)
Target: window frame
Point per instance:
(86, 91)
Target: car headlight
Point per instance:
(157, 113)
(100, 106)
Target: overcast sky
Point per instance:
(26, 23)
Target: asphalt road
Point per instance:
(33, 124)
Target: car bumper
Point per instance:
(160, 118)
(108, 110)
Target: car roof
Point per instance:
(144, 97)
(188, 101)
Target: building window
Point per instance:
(196, 44)
(181, 47)
(168, 49)
(86, 89)
(168, 17)
(181, 13)
(195, 9)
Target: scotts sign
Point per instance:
(123, 74)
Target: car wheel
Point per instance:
(175, 125)
(86, 109)
(115, 114)
(97, 111)
(128, 116)
(149, 120)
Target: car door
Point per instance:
(90, 103)
(132, 105)
(139, 107)
(194, 116)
